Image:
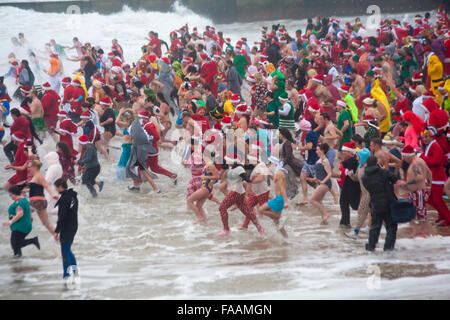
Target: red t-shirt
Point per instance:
(157, 43)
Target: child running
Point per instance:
(90, 164)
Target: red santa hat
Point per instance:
(47, 86)
(106, 101)
(262, 121)
(217, 127)
(84, 139)
(314, 106)
(417, 77)
(76, 83)
(368, 118)
(117, 62)
(347, 52)
(408, 151)
(235, 98)
(25, 89)
(412, 89)
(318, 78)
(344, 89)
(66, 80)
(233, 157)
(350, 147)
(144, 114)
(251, 79)
(187, 60)
(204, 56)
(427, 48)
(264, 54)
(430, 105)
(218, 54)
(438, 119)
(241, 109)
(62, 114)
(166, 60)
(226, 122)
(85, 115)
(19, 136)
(428, 94)
(25, 110)
(341, 103)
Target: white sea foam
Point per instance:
(144, 245)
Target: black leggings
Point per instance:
(88, 178)
(10, 151)
(18, 241)
(350, 197)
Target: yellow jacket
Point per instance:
(379, 95)
(435, 69)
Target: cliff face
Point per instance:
(225, 11)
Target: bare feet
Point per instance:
(242, 228)
(302, 203)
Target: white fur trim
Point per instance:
(16, 138)
(349, 150)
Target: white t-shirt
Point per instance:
(335, 75)
(234, 179)
(418, 109)
(260, 187)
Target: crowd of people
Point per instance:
(328, 108)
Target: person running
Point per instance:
(273, 208)
(209, 176)
(37, 198)
(90, 164)
(19, 222)
(20, 161)
(107, 121)
(349, 184)
(67, 225)
(236, 193)
(260, 188)
(323, 179)
(67, 160)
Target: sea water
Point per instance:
(144, 245)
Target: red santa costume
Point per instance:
(153, 135)
(208, 72)
(77, 102)
(20, 159)
(434, 158)
(69, 129)
(439, 120)
(447, 55)
(50, 102)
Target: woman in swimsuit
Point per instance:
(323, 179)
(37, 197)
(209, 176)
